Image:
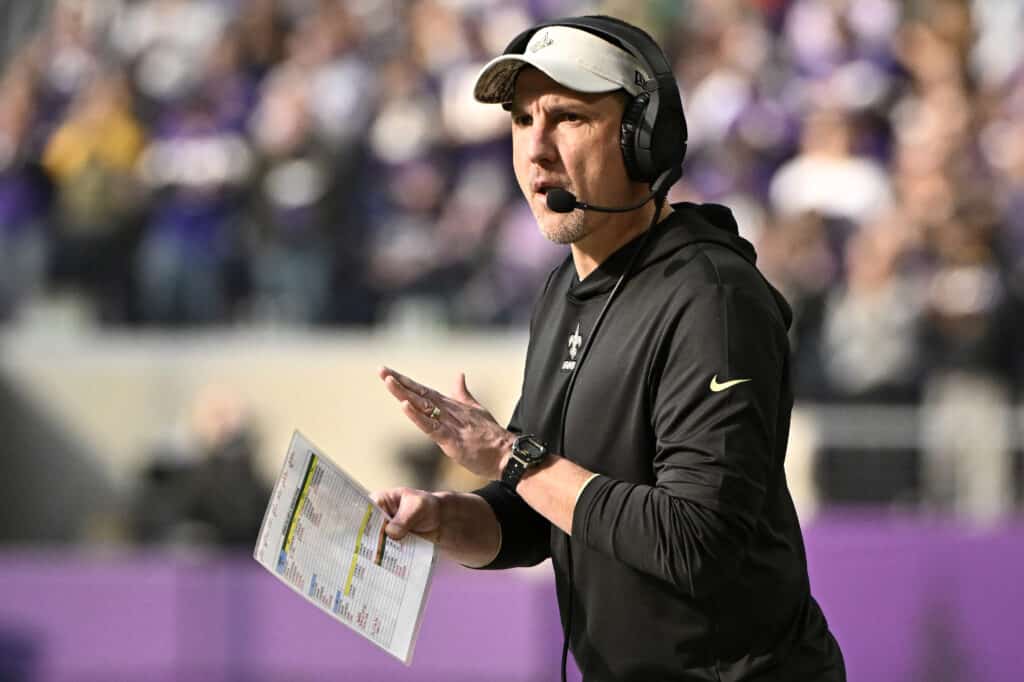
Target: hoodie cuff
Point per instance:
(589, 494)
(579, 494)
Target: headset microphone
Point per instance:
(563, 201)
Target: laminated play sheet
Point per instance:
(324, 538)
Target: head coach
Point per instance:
(645, 455)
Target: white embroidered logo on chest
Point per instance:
(575, 341)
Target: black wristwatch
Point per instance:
(527, 452)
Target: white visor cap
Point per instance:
(571, 57)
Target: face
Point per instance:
(567, 139)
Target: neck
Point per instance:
(614, 231)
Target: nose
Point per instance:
(541, 148)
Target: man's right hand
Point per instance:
(411, 511)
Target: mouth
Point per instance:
(543, 187)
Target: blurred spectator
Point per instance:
(974, 336)
(207, 490)
(262, 28)
(404, 144)
(67, 56)
(304, 214)
(827, 177)
(195, 166)
(228, 81)
(24, 194)
(871, 335)
(168, 41)
(972, 321)
(292, 215)
(797, 254)
(91, 158)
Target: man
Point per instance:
(653, 476)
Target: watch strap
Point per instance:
(513, 473)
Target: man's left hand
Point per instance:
(460, 425)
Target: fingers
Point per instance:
(462, 391)
(405, 382)
(435, 406)
(401, 393)
(420, 396)
(435, 428)
(387, 500)
(410, 515)
(391, 501)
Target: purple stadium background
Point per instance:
(909, 601)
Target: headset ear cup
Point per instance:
(668, 143)
(630, 127)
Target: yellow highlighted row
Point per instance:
(359, 542)
(302, 501)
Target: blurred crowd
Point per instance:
(182, 162)
(322, 162)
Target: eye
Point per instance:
(570, 117)
(521, 120)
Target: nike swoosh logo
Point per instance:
(716, 387)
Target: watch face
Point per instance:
(529, 449)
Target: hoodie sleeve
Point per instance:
(715, 387)
(525, 534)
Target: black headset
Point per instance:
(653, 130)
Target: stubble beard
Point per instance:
(569, 230)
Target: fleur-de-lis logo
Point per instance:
(575, 341)
(545, 40)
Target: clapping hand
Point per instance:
(460, 425)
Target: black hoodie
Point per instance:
(687, 561)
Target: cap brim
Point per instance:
(497, 80)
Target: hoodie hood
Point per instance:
(687, 224)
